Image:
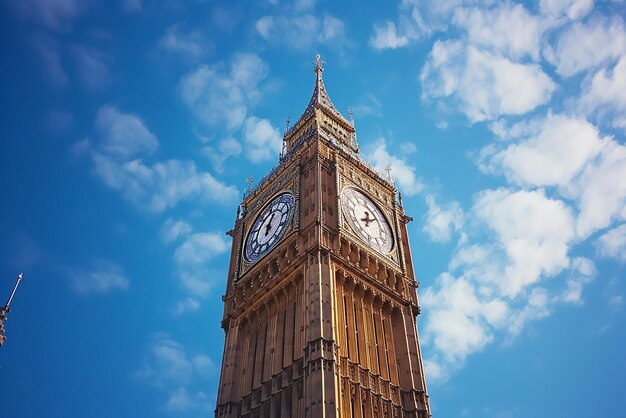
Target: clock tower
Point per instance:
(320, 306)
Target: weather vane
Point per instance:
(6, 309)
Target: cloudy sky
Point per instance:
(129, 128)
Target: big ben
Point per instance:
(320, 308)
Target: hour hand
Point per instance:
(269, 224)
(367, 219)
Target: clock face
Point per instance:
(366, 220)
(269, 227)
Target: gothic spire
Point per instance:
(320, 96)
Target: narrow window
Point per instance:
(356, 334)
(345, 321)
(376, 344)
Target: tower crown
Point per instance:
(322, 117)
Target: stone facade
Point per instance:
(322, 325)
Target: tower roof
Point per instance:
(320, 98)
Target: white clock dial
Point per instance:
(269, 227)
(366, 220)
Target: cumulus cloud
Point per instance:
(172, 230)
(386, 37)
(442, 221)
(493, 288)
(193, 254)
(600, 190)
(484, 86)
(402, 171)
(459, 322)
(509, 29)
(123, 134)
(223, 150)
(534, 231)
(177, 373)
(200, 248)
(587, 45)
(533, 155)
(612, 243)
(263, 141)
(102, 276)
(604, 96)
(122, 141)
(217, 95)
(592, 175)
(302, 31)
(192, 44)
(573, 9)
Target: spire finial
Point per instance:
(388, 170)
(318, 65)
(250, 181)
(351, 116)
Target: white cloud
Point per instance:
(534, 231)
(168, 365)
(593, 174)
(573, 9)
(588, 45)
(601, 190)
(191, 44)
(188, 304)
(612, 244)
(483, 85)
(123, 134)
(605, 95)
(403, 172)
(442, 221)
(509, 29)
(460, 320)
(537, 157)
(302, 31)
(162, 185)
(386, 37)
(172, 230)
(583, 271)
(102, 276)
(180, 400)
(263, 141)
(92, 66)
(123, 140)
(226, 148)
(217, 97)
(52, 14)
(200, 248)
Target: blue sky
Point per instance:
(129, 129)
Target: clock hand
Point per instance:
(367, 219)
(269, 224)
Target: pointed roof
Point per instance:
(320, 98)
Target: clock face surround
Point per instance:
(366, 220)
(269, 227)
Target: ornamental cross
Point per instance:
(388, 170)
